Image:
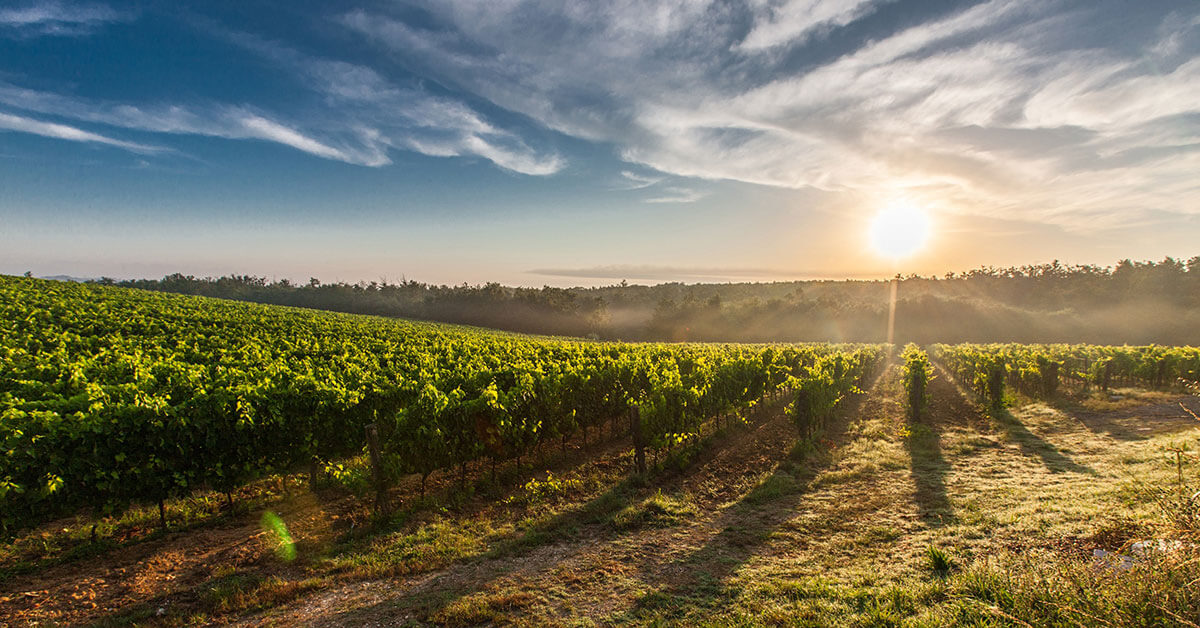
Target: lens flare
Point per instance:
(285, 548)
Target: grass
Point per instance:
(952, 520)
(227, 592)
(657, 510)
(1040, 479)
(1158, 591)
(415, 547)
(940, 562)
(491, 606)
(75, 538)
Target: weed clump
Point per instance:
(939, 560)
(657, 511)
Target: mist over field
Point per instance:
(1129, 303)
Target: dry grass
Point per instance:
(755, 531)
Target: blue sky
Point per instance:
(561, 143)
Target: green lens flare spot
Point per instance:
(285, 547)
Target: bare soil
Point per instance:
(859, 505)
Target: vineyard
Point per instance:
(1039, 371)
(110, 397)
(691, 483)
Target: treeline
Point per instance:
(1131, 302)
(548, 310)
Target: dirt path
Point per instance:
(861, 511)
(149, 570)
(745, 532)
(154, 570)
(742, 492)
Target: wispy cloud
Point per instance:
(1018, 108)
(356, 115)
(257, 126)
(383, 115)
(64, 132)
(674, 194)
(212, 120)
(357, 142)
(660, 193)
(56, 18)
(635, 181)
(794, 21)
(1003, 108)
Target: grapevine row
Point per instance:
(1038, 371)
(112, 396)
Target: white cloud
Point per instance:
(70, 133)
(262, 128)
(517, 160)
(677, 195)
(358, 115)
(431, 126)
(794, 21)
(387, 116)
(635, 181)
(55, 18)
(1010, 108)
(213, 121)
(1015, 108)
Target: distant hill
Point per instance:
(1131, 302)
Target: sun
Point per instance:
(899, 231)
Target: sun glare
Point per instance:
(899, 231)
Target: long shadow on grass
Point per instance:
(629, 505)
(487, 567)
(700, 583)
(1132, 424)
(1033, 445)
(423, 601)
(947, 407)
(700, 580)
(929, 469)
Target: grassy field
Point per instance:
(961, 518)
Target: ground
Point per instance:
(748, 528)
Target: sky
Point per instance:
(546, 142)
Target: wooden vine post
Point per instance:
(639, 440)
(381, 505)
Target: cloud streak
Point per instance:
(213, 121)
(673, 194)
(635, 181)
(262, 128)
(54, 130)
(55, 18)
(1007, 108)
(795, 21)
(1076, 113)
(383, 116)
(356, 115)
(359, 141)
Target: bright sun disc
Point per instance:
(899, 231)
